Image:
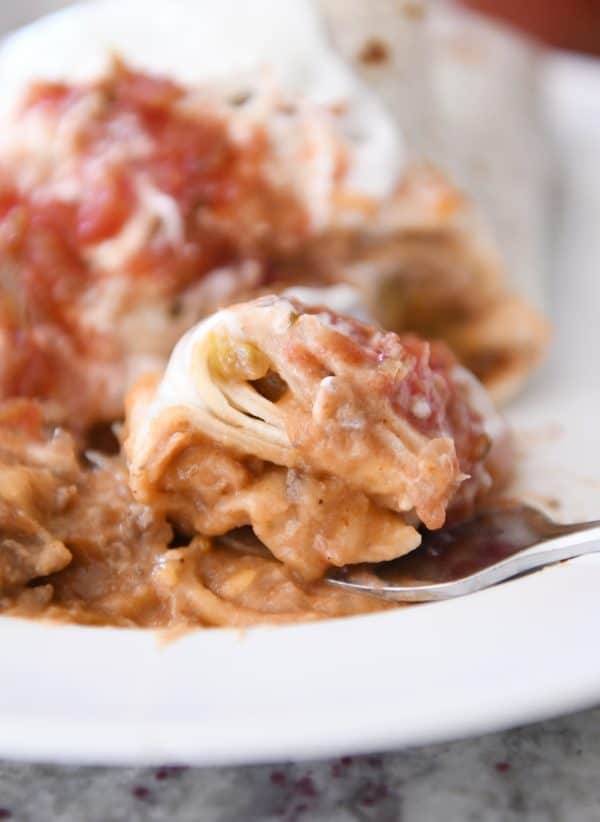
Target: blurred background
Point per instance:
(568, 24)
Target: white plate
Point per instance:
(517, 653)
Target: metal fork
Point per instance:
(544, 543)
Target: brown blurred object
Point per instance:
(568, 24)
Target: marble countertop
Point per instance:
(547, 772)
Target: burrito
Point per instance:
(154, 168)
(332, 439)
